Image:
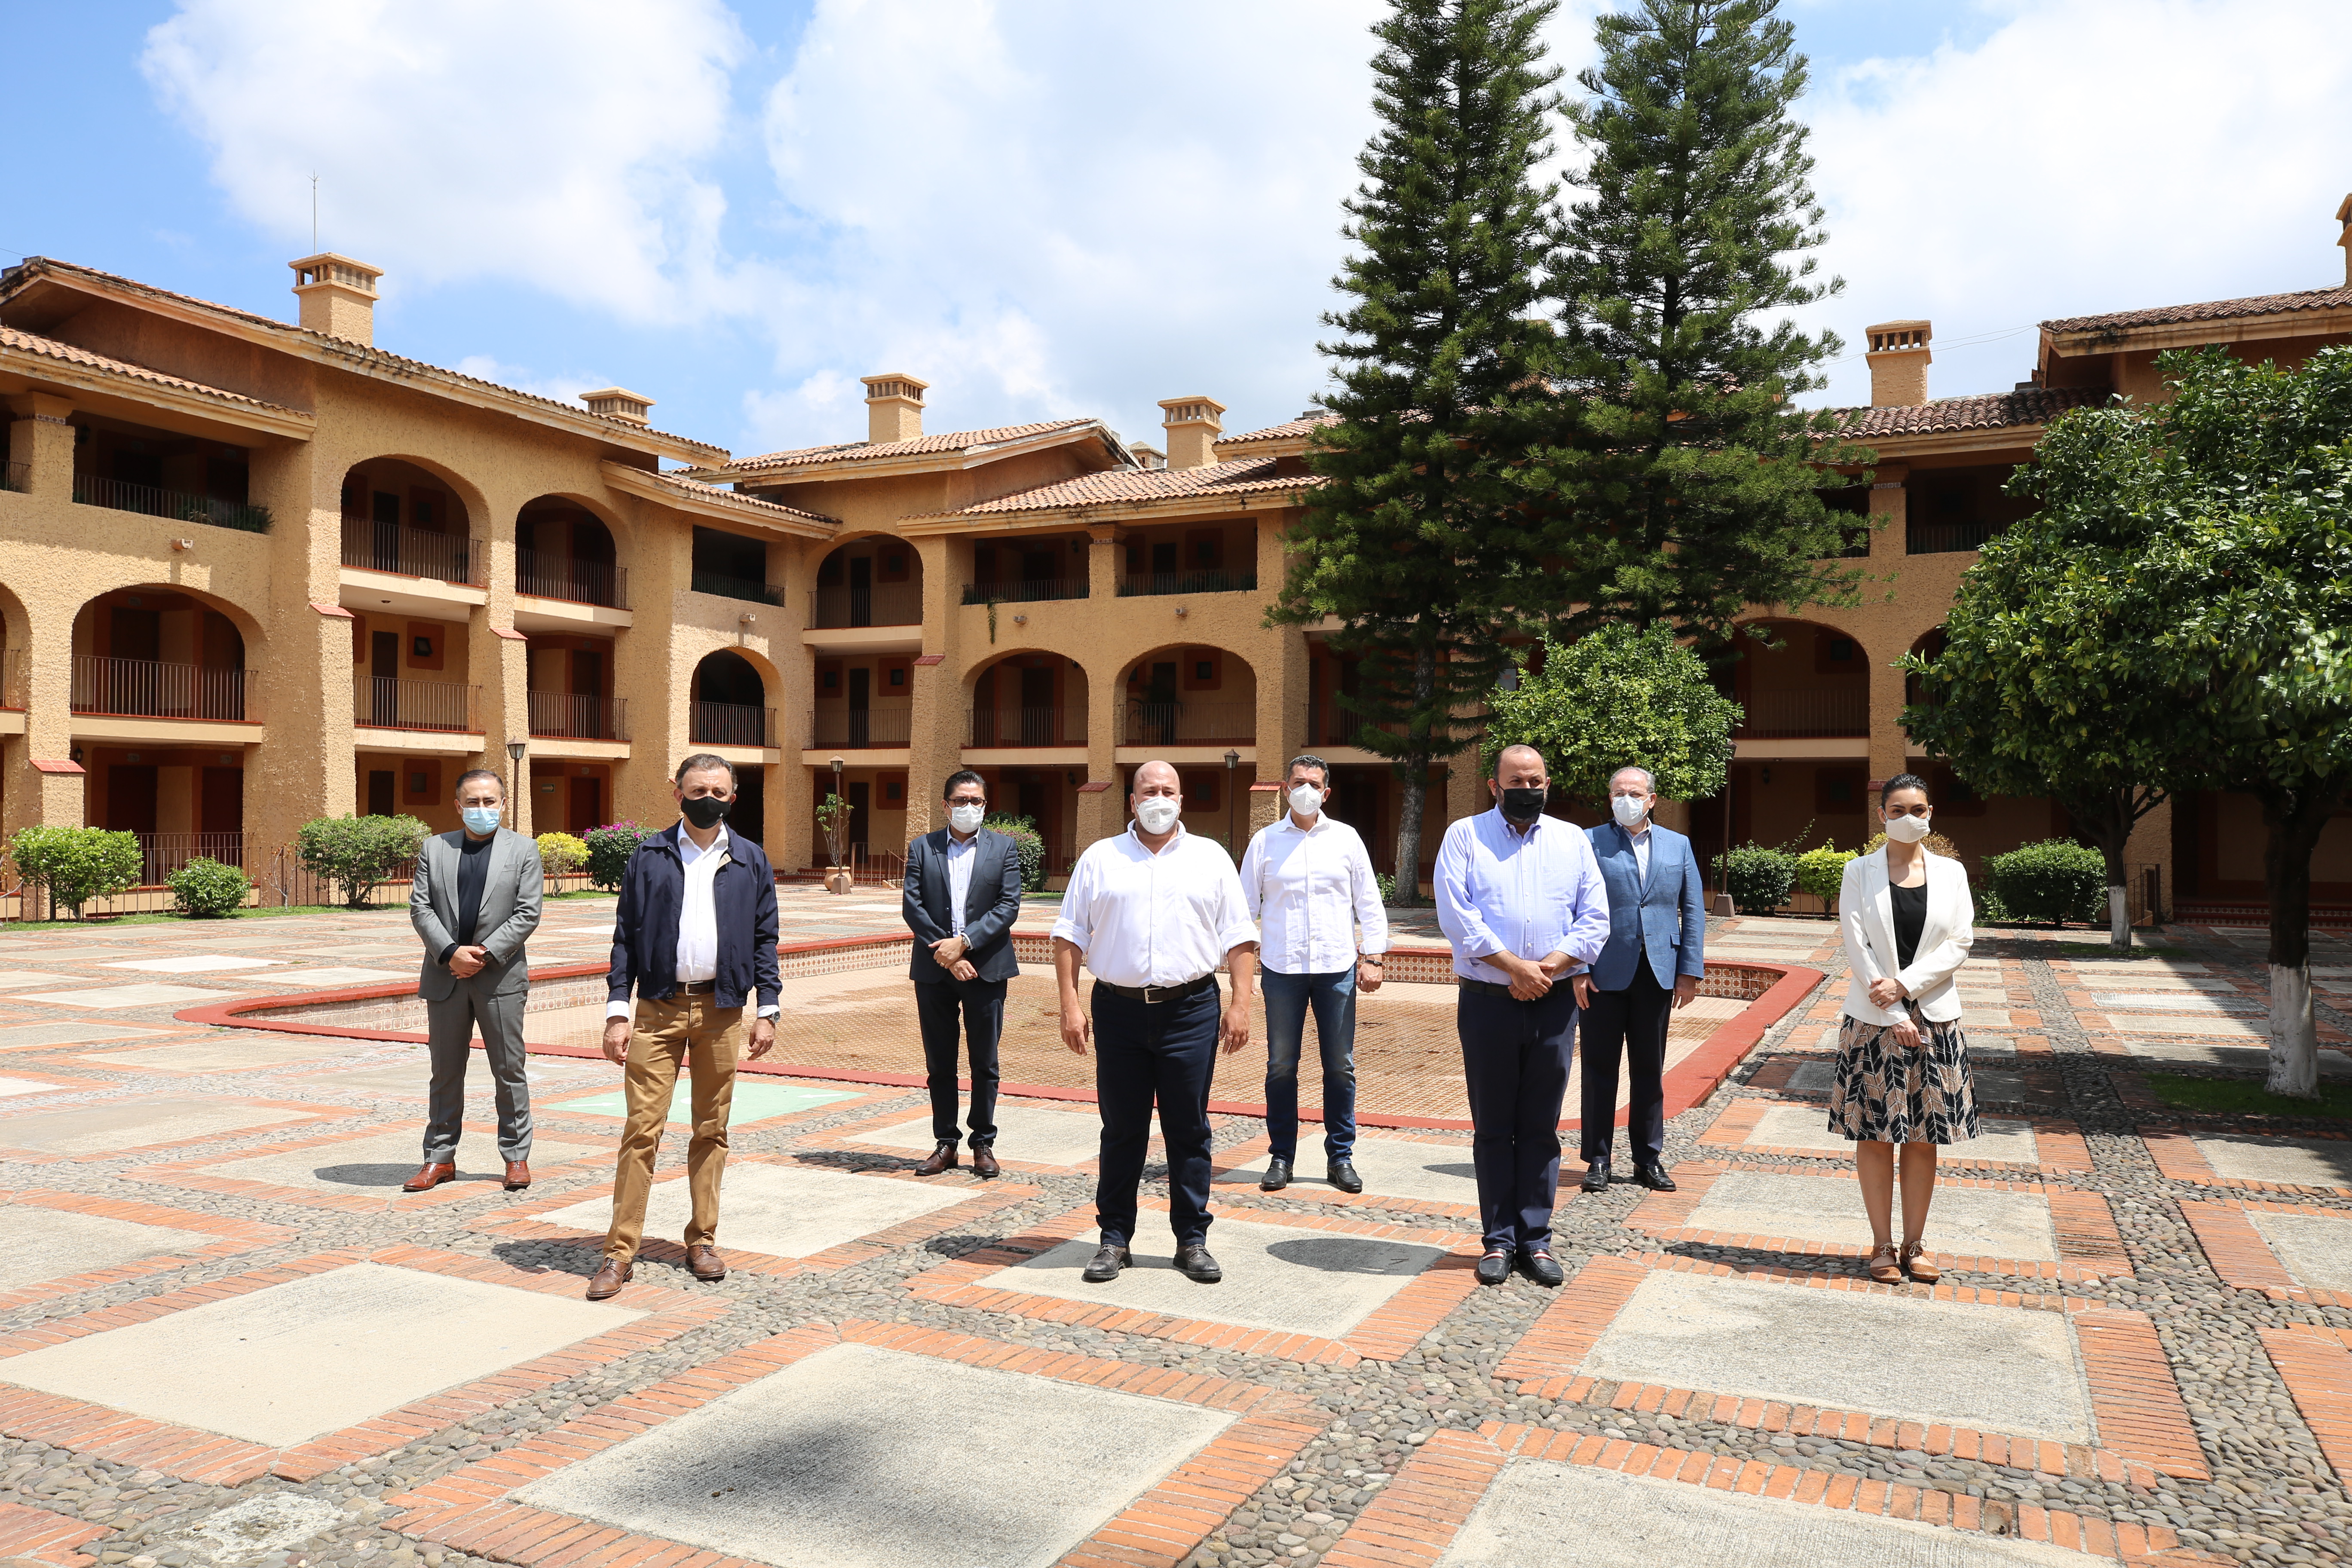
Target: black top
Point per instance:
(1910, 919)
(473, 871)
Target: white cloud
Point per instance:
(565, 387)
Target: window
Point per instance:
(890, 564)
(421, 648)
(1202, 669)
(1204, 549)
(1201, 788)
(1838, 791)
(893, 676)
(828, 678)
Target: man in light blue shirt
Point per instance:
(1520, 898)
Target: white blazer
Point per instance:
(1866, 918)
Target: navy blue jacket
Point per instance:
(645, 927)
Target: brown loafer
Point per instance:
(943, 1158)
(517, 1174)
(1885, 1265)
(984, 1163)
(1916, 1264)
(430, 1177)
(706, 1264)
(609, 1279)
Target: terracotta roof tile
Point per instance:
(867, 451)
(1118, 487)
(1291, 431)
(696, 488)
(2211, 311)
(1992, 411)
(49, 348)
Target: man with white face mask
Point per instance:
(963, 896)
(1311, 887)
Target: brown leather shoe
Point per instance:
(428, 1178)
(706, 1264)
(984, 1163)
(609, 1279)
(517, 1174)
(943, 1158)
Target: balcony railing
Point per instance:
(17, 477)
(1187, 582)
(731, 724)
(861, 729)
(447, 705)
(1189, 724)
(15, 685)
(161, 853)
(373, 546)
(1037, 591)
(1328, 724)
(997, 727)
(577, 582)
(883, 605)
(747, 588)
(180, 506)
(569, 716)
(147, 689)
(1797, 715)
(1948, 537)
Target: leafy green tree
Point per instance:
(1618, 698)
(1418, 539)
(359, 853)
(77, 864)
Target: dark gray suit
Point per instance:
(492, 998)
(991, 903)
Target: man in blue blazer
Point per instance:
(962, 895)
(1651, 965)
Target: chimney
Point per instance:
(1898, 364)
(894, 407)
(338, 296)
(619, 402)
(1149, 456)
(1193, 424)
(2344, 217)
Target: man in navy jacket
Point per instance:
(695, 937)
(1652, 965)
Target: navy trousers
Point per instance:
(1631, 1023)
(1146, 1052)
(980, 1002)
(1514, 1057)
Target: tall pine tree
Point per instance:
(1682, 477)
(1419, 539)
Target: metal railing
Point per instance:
(15, 686)
(992, 727)
(747, 588)
(861, 729)
(1947, 538)
(180, 506)
(883, 605)
(373, 546)
(1793, 715)
(161, 853)
(17, 477)
(1328, 724)
(1157, 582)
(1037, 591)
(1189, 724)
(575, 582)
(149, 689)
(877, 867)
(572, 717)
(444, 705)
(731, 724)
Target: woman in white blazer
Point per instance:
(1903, 1064)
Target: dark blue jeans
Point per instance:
(1146, 1052)
(1287, 997)
(1514, 1057)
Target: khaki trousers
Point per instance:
(666, 1034)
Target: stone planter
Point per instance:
(837, 880)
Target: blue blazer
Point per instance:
(990, 906)
(1666, 917)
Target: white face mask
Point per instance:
(966, 818)
(1305, 800)
(1157, 812)
(1629, 809)
(1907, 829)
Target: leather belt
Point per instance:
(1489, 987)
(1156, 994)
(695, 987)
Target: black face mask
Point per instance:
(705, 810)
(1523, 805)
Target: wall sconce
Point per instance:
(183, 545)
(1767, 775)
(1182, 611)
(747, 619)
(1020, 620)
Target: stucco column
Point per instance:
(40, 437)
(302, 769)
(498, 664)
(1889, 746)
(45, 785)
(1101, 812)
(937, 725)
(650, 667)
(791, 803)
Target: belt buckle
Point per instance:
(1156, 994)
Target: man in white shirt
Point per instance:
(1520, 898)
(1154, 911)
(1311, 887)
(695, 937)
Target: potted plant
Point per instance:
(833, 816)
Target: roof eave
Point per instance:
(2162, 335)
(1192, 504)
(211, 411)
(719, 504)
(848, 465)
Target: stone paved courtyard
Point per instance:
(226, 1338)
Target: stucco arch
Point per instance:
(1027, 697)
(1812, 682)
(164, 650)
(732, 695)
(869, 578)
(569, 547)
(1188, 694)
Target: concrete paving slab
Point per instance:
(191, 963)
(2008, 1087)
(1813, 1077)
(294, 1362)
(1030, 1133)
(1829, 1208)
(1277, 1277)
(2188, 1002)
(224, 1052)
(1538, 1513)
(1392, 1167)
(36, 1036)
(19, 979)
(2295, 1161)
(2314, 1249)
(2216, 1024)
(412, 1078)
(321, 979)
(132, 1124)
(754, 1100)
(1805, 1127)
(1997, 1369)
(381, 1162)
(784, 1211)
(147, 995)
(2242, 1058)
(261, 1526)
(12, 1086)
(812, 1464)
(39, 1242)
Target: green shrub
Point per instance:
(359, 853)
(205, 888)
(1387, 885)
(560, 854)
(1822, 872)
(1758, 878)
(2056, 880)
(609, 848)
(78, 864)
(1029, 844)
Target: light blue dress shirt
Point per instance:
(960, 854)
(1530, 895)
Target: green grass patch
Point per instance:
(2236, 1097)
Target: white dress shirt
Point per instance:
(962, 853)
(1309, 888)
(1143, 918)
(1529, 895)
(698, 917)
(1641, 853)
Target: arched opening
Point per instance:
(563, 551)
(402, 518)
(1030, 701)
(1802, 773)
(729, 703)
(876, 581)
(1188, 695)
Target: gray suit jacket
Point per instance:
(509, 911)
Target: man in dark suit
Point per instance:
(962, 895)
(1652, 965)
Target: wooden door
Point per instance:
(586, 808)
(381, 802)
(861, 700)
(130, 799)
(223, 804)
(860, 798)
(384, 671)
(861, 591)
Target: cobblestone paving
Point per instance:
(2274, 1490)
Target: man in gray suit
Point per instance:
(474, 902)
(962, 895)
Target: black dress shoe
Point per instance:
(1654, 1177)
(1343, 1176)
(1193, 1262)
(1107, 1261)
(1542, 1268)
(1596, 1173)
(1276, 1177)
(1494, 1269)
(943, 1158)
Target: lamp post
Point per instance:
(515, 749)
(1232, 761)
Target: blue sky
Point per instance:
(1051, 208)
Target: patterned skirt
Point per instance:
(1888, 1094)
